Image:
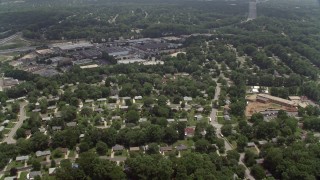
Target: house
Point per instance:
(183, 120)
(52, 171)
(198, 117)
(89, 101)
(189, 131)
(263, 142)
(10, 178)
(1, 128)
(117, 147)
(42, 130)
(124, 108)
(6, 122)
(81, 136)
(134, 149)
(226, 117)
(52, 107)
(71, 124)
(115, 118)
(138, 98)
(46, 118)
(187, 98)
(22, 158)
(99, 110)
(28, 133)
(102, 99)
(200, 109)
(43, 153)
(165, 149)
(181, 147)
(170, 120)
(260, 161)
(36, 110)
(251, 144)
(56, 128)
(274, 140)
(142, 119)
(33, 174)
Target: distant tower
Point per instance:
(252, 10)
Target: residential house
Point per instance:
(52, 171)
(117, 147)
(181, 147)
(56, 128)
(251, 144)
(22, 158)
(43, 153)
(189, 131)
(134, 149)
(165, 149)
(71, 124)
(33, 174)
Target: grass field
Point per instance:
(23, 175)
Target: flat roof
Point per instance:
(70, 46)
(277, 99)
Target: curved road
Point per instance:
(22, 116)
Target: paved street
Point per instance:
(22, 49)
(218, 126)
(248, 175)
(5, 40)
(10, 139)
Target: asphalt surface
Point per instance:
(22, 49)
(247, 171)
(214, 121)
(22, 116)
(5, 40)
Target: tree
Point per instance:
(132, 116)
(249, 158)
(15, 107)
(68, 113)
(202, 146)
(36, 166)
(242, 143)
(39, 141)
(170, 135)
(53, 163)
(153, 148)
(233, 154)
(101, 148)
(21, 133)
(258, 172)
(226, 130)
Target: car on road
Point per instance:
(209, 119)
(221, 134)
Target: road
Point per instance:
(247, 171)
(218, 126)
(22, 49)
(5, 40)
(214, 121)
(22, 116)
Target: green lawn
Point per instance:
(252, 149)
(15, 164)
(72, 154)
(5, 131)
(187, 142)
(23, 176)
(220, 113)
(11, 124)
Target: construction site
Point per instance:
(258, 103)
